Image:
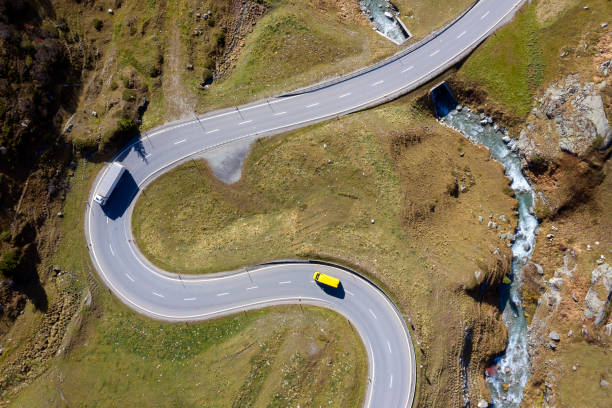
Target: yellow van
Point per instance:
(326, 279)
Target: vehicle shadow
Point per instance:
(122, 196)
(335, 292)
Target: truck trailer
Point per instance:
(108, 183)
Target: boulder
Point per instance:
(554, 336)
(573, 111)
(598, 296)
(539, 269)
(483, 404)
(605, 68)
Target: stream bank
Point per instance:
(509, 374)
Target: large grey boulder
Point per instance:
(598, 296)
(574, 112)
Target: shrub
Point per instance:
(207, 76)
(98, 24)
(538, 164)
(9, 263)
(126, 125)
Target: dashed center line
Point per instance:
(461, 35)
(391, 381)
(111, 249)
(389, 346)
(129, 277)
(252, 287)
(349, 292)
(408, 69)
(158, 294)
(212, 131)
(180, 141)
(372, 313)
(378, 82)
(245, 122)
(434, 53)
(189, 299)
(284, 282)
(223, 294)
(312, 105)
(484, 15)
(344, 95)
(279, 113)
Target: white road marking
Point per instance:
(111, 248)
(148, 155)
(189, 299)
(252, 287)
(408, 69)
(349, 292)
(372, 313)
(158, 294)
(129, 277)
(284, 282)
(180, 141)
(484, 15)
(312, 105)
(378, 82)
(343, 95)
(279, 113)
(223, 294)
(434, 53)
(461, 35)
(212, 131)
(107, 220)
(391, 381)
(389, 346)
(245, 122)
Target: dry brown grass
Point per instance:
(298, 198)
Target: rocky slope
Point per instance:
(565, 146)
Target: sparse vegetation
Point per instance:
(9, 262)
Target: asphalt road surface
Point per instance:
(161, 295)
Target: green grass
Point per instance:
(126, 360)
(510, 64)
(520, 58)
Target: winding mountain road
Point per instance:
(161, 295)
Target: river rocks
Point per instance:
(554, 336)
(597, 299)
(482, 404)
(604, 384)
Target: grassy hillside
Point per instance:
(546, 41)
(313, 193)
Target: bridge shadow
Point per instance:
(122, 197)
(335, 292)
